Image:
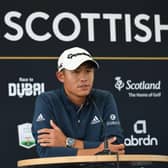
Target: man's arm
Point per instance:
(41, 120)
(54, 137)
(56, 146)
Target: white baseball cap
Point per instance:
(72, 58)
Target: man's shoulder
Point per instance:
(50, 94)
(101, 95)
(101, 92)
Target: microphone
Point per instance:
(106, 150)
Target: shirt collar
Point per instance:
(67, 101)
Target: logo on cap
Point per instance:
(70, 56)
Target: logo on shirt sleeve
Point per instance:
(40, 118)
(113, 120)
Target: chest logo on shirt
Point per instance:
(95, 120)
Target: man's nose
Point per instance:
(83, 77)
(83, 80)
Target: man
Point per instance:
(76, 119)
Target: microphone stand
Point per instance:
(106, 150)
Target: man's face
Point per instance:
(78, 82)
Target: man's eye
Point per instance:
(89, 70)
(76, 71)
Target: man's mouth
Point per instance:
(84, 86)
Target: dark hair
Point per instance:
(89, 64)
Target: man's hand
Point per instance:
(51, 137)
(116, 148)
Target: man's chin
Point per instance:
(84, 93)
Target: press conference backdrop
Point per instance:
(128, 38)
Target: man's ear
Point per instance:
(60, 76)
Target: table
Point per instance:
(133, 158)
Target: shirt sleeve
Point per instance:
(41, 119)
(106, 107)
(56, 151)
(91, 144)
(111, 120)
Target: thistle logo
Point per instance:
(119, 83)
(140, 88)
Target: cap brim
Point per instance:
(75, 64)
